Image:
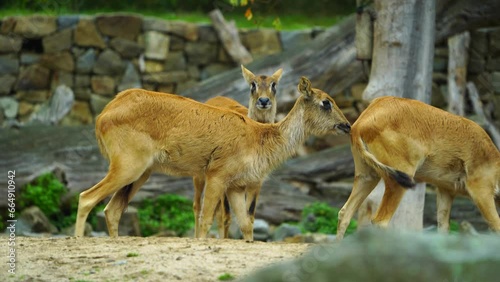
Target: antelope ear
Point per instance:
(304, 87)
(248, 75)
(277, 75)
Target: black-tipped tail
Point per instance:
(403, 179)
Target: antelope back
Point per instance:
(262, 106)
(228, 103)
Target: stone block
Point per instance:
(98, 102)
(126, 48)
(9, 107)
(59, 41)
(214, 69)
(29, 58)
(10, 43)
(58, 61)
(175, 61)
(86, 35)
(35, 26)
(33, 77)
(85, 63)
(109, 63)
(156, 45)
(65, 21)
(165, 77)
(6, 83)
(62, 78)
(9, 64)
(33, 96)
(104, 85)
(120, 25)
(262, 42)
(130, 79)
(201, 53)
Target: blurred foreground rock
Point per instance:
(378, 255)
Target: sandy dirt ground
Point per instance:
(141, 259)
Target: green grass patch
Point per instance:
(132, 255)
(226, 277)
(320, 217)
(166, 212)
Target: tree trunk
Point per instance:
(458, 50)
(402, 66)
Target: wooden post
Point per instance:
(458, 56)
(487, 124)
(364, 32)
(228, 34)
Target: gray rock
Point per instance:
(493, 64)
(294, 39)
(494, 48)
(58, 41)
(34, 77)
(156, 45)
(130, 79)
(62, 78)
(155, 24)
(285, 230)
(58, 61)
(440, 64)
(165, 77)
(109, 63)
(37, 221)
(201, 53)
(177, 43)
(129, 223)
(479, 41)
(495, 81)
(207, 33)
(9, 106)
(29, 58)
(6, 83)
(86, 35)
(66, 21)
(126, 48)
(9, 64)
(35, 26)
(54, 110)
(120, 25)
(98, 102)
(82, 80)
(33, 96)
(261, 230)
(262, 42)
(175, 61)
(10, 43)
(379, 255)
(85, 62)
(186, 30)
(103, 84)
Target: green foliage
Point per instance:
(45, 192)
(322, 218)
(454, 227)
(2, 223)
(131, 255)
(166, 212)
(226, 277)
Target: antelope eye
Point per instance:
(327, 105)
(253, 86)
(273, 86)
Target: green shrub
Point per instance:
(166, 212)
(45, 192)
(454, 227)
(322, 218)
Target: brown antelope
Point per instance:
(141, 131)
(262, 108)
(405, 141)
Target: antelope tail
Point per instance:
(400, 177)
